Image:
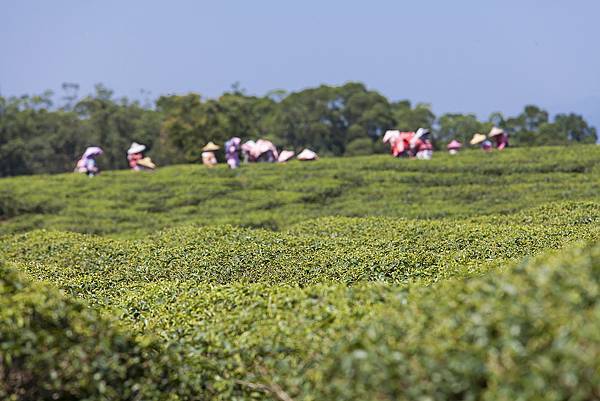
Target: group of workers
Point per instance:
(260, 151)
(410, 144)
(402, 144)
(135, 158)
(418, 144)
(498, 135)
(251, 151)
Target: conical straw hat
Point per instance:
(454, 144)
(146, 162)
(477, 138)
(210, 147)
(495, 131)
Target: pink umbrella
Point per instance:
(92, 151)
(285, 155)
(454, 145)
(235, 141)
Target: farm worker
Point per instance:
(232, 148)
(486, 146)
(402, 146)
(391, 137)
(500, 136)
(307, 155)
(248, 151)
(208, 154)
(137, 160)
(479, 139)
(87, 163)
(421, 145)
(399, 142)
(265, 151)
(284, 156)
(454, 147)
(135, 154)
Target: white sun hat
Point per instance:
(136, 148)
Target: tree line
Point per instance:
(41, 135)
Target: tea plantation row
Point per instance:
(134, 204)
(344, 250)
(54, 348)
(530, 332)
(474, 277)
(335, 308)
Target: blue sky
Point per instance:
(461, 56)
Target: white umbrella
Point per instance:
(285, 155)
(307, 154)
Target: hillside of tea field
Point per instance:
(474, 276)
(275, 196)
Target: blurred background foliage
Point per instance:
(46, 133)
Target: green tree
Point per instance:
(38, 137)
(189, 123)
(114, 124)
(407, 118)
(459, 126)
(575, 128)
(328, 118)
(524, 128)
(497, 119)
(36, 140)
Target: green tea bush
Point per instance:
(52, 347)
(532, 332)
(352, 278)
(528, 332)
(258, 311)
(132, 204)
(12, 206)
(343, 250)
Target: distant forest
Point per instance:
(38, 135)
